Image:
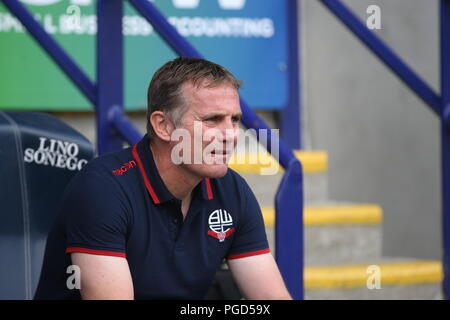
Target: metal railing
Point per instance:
(113, 127)
(440, 105)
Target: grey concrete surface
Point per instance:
(430, 291)
(382, 141)
(315, 189)
(334, 245)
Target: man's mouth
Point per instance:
(221, 152)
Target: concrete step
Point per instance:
(263, 173)
(398, 279)
(315, 187)
(336, 233)
(315, 161)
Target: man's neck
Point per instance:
(177, 180)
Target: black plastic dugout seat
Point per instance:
(39, 154)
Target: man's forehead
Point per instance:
(207, 98)
(206, 87)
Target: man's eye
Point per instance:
(213, 119)
(236, 119)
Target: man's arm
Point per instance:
(258, 278)
(104, 277)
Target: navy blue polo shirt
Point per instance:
(118, 205)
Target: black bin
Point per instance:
(39, 154)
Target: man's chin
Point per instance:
(216, 171)
(208, 170)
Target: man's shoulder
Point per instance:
(95, 186)
(111, 164)
(233, 181)
(102, 170)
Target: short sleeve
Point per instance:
(96, 215)
(250, 238)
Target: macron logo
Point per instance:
(223, 4)
(124, 168)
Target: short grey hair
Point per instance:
(165, 92)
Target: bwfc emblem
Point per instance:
(220, 225)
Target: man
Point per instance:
(151, 223)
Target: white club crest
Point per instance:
(221, 224)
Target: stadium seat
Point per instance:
(39, 154)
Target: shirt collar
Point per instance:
(154, 184)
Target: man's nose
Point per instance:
(229, 133)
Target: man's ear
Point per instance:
(162, 125)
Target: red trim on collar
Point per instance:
(208, 188)
(144, 176)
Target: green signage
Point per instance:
(247, 36)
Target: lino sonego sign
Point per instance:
(55, 153)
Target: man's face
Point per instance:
(212, 120)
